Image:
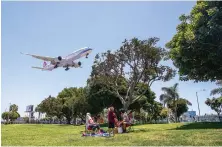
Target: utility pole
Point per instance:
(198, 102)
(9, 110)
(198, 105)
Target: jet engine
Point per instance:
(79, 63)
(59, 58)
(76, 64)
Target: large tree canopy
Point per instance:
(73, 102)
(196, 48)
(70, 103)
(12, 115)
(51, 106)
(136, 61)
(100, 96)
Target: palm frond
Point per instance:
(164, 97)
(175, 86)
(216, 91)
(189, 103)
(172, 91)
(168, 91)
(219, 83)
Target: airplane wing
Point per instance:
(42, 57)
(37, 67)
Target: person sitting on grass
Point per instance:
(111, 120)
(100, 119)
(90, 123)
(125, 121)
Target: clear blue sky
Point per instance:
(59, 28)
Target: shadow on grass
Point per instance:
(200, 125)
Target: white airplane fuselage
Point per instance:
(69, 61)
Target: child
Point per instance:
(111, 120)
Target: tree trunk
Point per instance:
(220, 118)
(68, 121)
(175, 105)
(126, 106)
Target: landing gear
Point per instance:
(67, 68)
(87, 55)
(56, 65)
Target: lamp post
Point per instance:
(198, 101)
(9, 110)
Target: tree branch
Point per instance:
(117, 91)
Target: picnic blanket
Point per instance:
(101, 133)
(96, 135)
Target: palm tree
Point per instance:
(217, 90)
(171, 96)
(13, 108)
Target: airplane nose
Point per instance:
(90, 49)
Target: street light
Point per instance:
(9, 110)
(198, 101)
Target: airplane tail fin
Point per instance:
(44, 64)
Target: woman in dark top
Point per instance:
(111, 120)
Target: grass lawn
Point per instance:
(197, 134)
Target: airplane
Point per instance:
(66, 62)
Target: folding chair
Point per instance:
(88, 129)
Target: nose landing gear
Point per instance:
(87, 55)
(67, 68)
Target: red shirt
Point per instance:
(111, 117)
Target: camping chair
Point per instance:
(88, 130)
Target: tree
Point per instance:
(217, 90)
(215, 104)
(13, 108)
(100, 95)
(12, 115)
(164, 113)
(171, 98)
(38, 109)
(51, 106)
(80, 107)
(196, 48)
(5, 116)
(153, 110)
(136, 61)
(71, 99)
(181, 106)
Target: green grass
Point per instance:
(199, 134)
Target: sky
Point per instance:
(59, 28)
